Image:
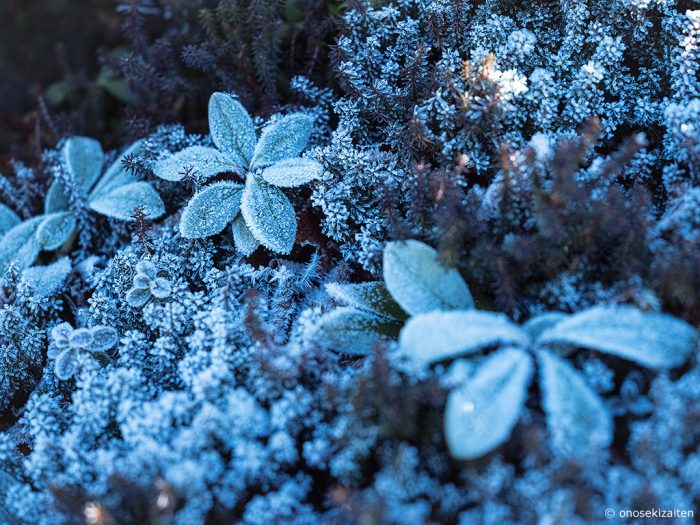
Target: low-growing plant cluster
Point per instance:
(416, 262)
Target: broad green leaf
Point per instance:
(231, 128)
(205, 162)
(436, 336)
(20, 245)
(269, 215)
(55, 230)
(47, 280)
(283, 139)
(84, 158)
(8, 219)
(121, 202)
(243, 238)
(577, 419)
(419, 283)
(56, 199)
(289, 173)
(651, 339)
(371, 296)
(538, 324)
(210, 210)
(481, 414)
(352, 331)
(117, 175)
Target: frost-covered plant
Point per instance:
(147, 284)
(414, 282)
(481, 413)
(67, 343)
(266, 163)
(79, 183)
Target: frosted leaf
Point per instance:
(231, 128)
(46, 280)
(352, 331)
(576, 417)
(205, 162)
(81, 338)
(419, 283)
(20, 245)
(103, 338)
(60, 334)
(8, 219)
(146, 268)
(372, 296)
(66, 365)
(117, 175)
(436, 336)
(243, 238)
(55, 230)
(269, 215)
(283, 139)
(651, 339)
(84, 158)
(142, 281)
(538, 324)
(290, 173)
(161, 288)
(480, 415)
(121, 202)
(56, 199)
(210, 210)
(137, 297)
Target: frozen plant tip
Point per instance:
(267, 163)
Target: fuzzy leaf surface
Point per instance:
(290, 173)
(480, 415)
(121, 202)
(577, 418)
(269, 215)
(371, 296)
(46, 280)
(8, 219)
(651, 339)
(436, 336)
(352, 331)
(210, 210)
(206, 162)
(419, 283)
(84, 158)
(231, 128)
(20, 244)
(283, 139)
(55, 230)
(243, 238)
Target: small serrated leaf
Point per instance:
(371, 296)
(210, 210)
(206, 162)
(480, 415)
(231, 128)
(651, 339)
(290, 173)
(577, 419)
(84, 158)
(436, 336)
(46, 280)
(269, 215)
(244, 240)
(20, 245)
(121, 202)
(55, 229)
(355, 332)
(8, 219)
(419, 283)
(283, 139)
